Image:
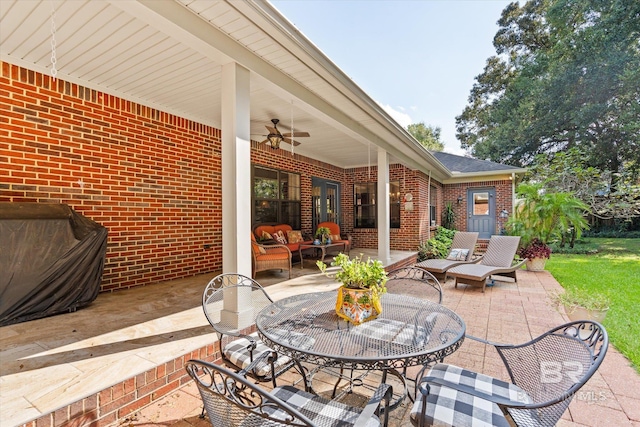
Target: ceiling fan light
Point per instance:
(274, 140)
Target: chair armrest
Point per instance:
(495, 344)
(273, 248)
(384, 392)
(499, 400)
(487, 342)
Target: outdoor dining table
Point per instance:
(409, 332)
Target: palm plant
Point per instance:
(543, 216)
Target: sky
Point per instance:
(416, 58)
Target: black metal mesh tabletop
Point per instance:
(409, 332)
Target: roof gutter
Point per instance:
(456, 177)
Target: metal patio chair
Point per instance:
(239, 348)
(231, 400)
(415, 281)
(545, 374)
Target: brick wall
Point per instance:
(414, 223)
(114, 405)
(152, 178)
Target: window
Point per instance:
(365, 208)
(433, 197)
(481, 203)
(365, 211)
(276, 197)
(394, 202)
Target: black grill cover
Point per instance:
(51, 260)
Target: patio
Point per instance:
(54, 365)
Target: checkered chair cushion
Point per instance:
(237, 351)
(323, 412)
(449, 407)
(392, 331)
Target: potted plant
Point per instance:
(580, 304)
(536, 254)
(363, 283)
(540, 217)
(323, 233)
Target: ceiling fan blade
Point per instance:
(297, 134)
(272, 130)
(289, 141)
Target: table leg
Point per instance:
(324, 252)
(301, 259)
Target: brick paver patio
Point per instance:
(507, 312)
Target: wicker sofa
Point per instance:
(293, 243)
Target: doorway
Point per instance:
(481, 211)
(325, 201)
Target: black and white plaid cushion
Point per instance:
(392, 331)
(449, 407)
(237, 351)
(322, 412)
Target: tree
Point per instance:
(428, 136)
(566, 74)
(568, 172)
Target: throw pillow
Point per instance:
(266, 236)
(335, 237)
(279, 236)
(458, 254)
(294, 236)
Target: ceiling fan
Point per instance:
(275, 136)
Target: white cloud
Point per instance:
(403, 118)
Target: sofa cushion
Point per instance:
(261, 229)
(294, 236)
(280, 237)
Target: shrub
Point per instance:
(438, 246)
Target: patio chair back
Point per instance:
(238, 345)
(501, 251)
(545, 372)
(414, 281)
(553, 367)
(231, 400)
(465, 240)
(231, 284)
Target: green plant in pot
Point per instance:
(540, 217)
(363, 283)
(580, 304)
(323, 233)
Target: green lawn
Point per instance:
(614, 270)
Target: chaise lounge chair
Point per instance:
(462, 247)
(497, 260)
